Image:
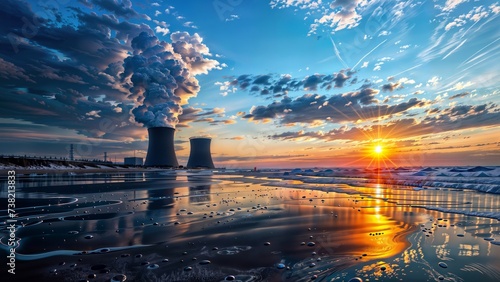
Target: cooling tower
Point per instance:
(161, 151)
(200, 156)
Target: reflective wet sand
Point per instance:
(255, 229)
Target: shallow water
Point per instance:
(246, 229)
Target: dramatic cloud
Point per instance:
(193, 52)
(189, 114)
(279, 85)
(460, 95)
(391, 86)
(457, 118)
(162, 76)
(451, 4)
(212, 116)
(10, 71)
(122, 8)
(344, 14)
(309, 108)
(61, 74)
(339, 14)
(55, 74)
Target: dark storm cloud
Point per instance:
(67, 112)
(282, 84)
(65, 69)
(122, 8)
(12, 14)
(68, 74)
(85, 3)
(71, 53)
(105, 23)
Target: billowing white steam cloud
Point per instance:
(161, 76)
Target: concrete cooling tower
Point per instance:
(200, 156)
(161, 152)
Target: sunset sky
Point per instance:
(282, 83)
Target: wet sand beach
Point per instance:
(193, 227)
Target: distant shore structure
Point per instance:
(161, 152)
(200, 155)
(71, 152)
(133, 161)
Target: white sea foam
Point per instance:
(494, 215)
(483, 179)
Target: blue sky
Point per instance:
(276, 84)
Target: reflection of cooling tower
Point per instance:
(200, 156)
(161, 151)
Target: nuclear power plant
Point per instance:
(161, 152)
(200, 156)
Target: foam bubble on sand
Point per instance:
(153, 266)
(119, 278)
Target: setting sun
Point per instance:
(378, 149)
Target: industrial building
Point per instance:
(200, 155)
(161, 152)
(133, 161)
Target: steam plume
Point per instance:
(161, 76)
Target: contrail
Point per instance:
(414, 67)
(468, 29)
(455, 49)
(368, 54)
(338, 53)
(467, 60)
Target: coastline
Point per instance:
(373, 228)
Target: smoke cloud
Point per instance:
(161, 76)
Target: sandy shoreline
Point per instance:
(119, 261)
(236, 212)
